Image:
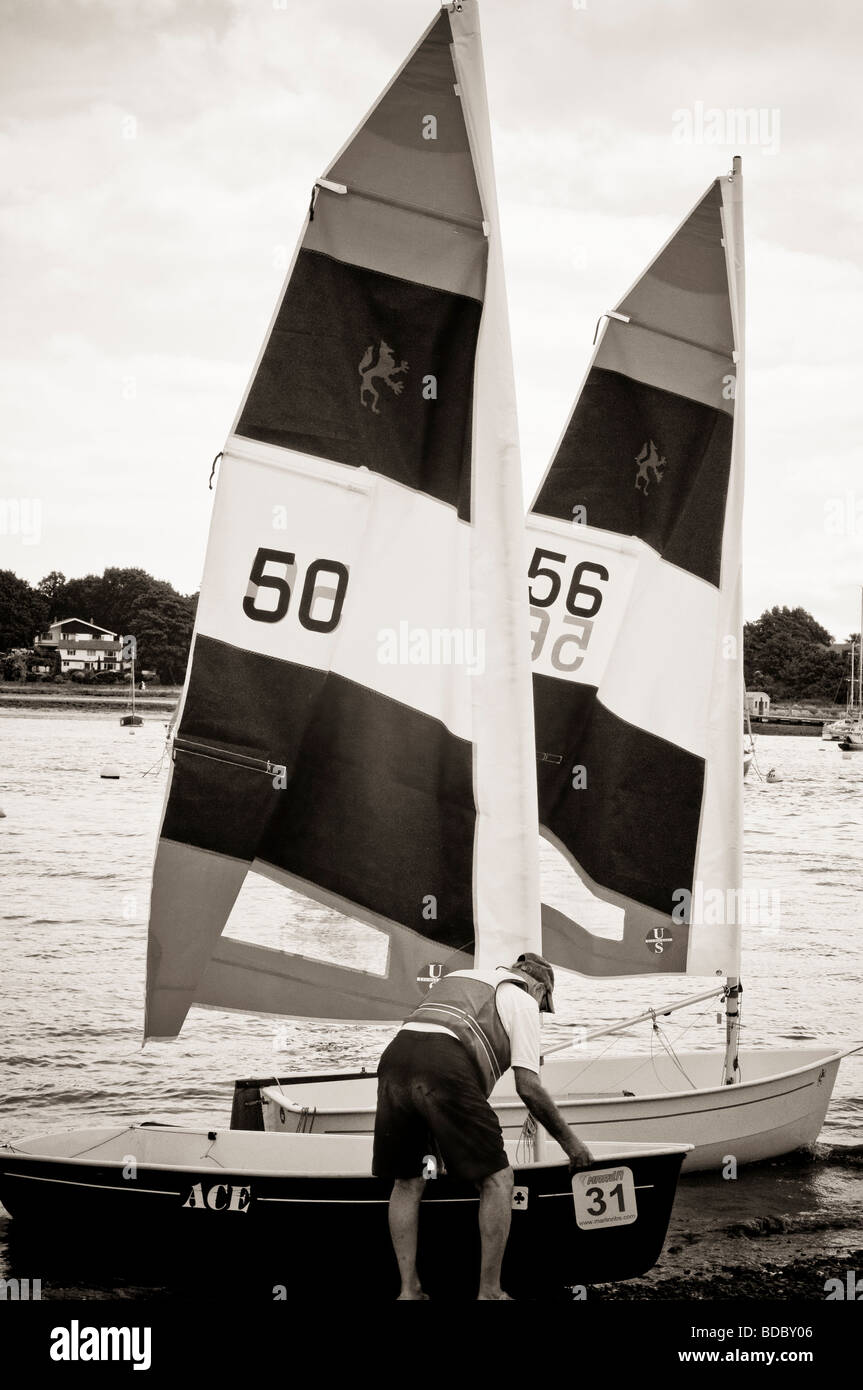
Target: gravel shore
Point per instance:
(803, 1279)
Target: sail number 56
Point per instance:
(583, 601)
(325, 581)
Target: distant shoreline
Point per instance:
(76, 699)
(67, 709)
(36, 697)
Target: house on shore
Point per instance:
(83, 646)
(757, 703)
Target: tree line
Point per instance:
(786, 652)
(126, 601)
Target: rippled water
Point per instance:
(76, 858)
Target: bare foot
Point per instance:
(413, 1296)
(498, 1297)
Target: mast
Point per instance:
(860, 662)
(734, 252)
(506, 887)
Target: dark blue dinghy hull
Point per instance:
(305, 1229)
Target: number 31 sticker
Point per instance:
(605, 1198)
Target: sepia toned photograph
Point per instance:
(431, 679)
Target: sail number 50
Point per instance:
(325, 580)
(583, 602)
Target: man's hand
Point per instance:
(580, 1155)
(543, 1109)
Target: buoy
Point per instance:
(110, 774)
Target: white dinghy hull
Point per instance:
(777, 1108)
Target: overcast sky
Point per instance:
(157, 159)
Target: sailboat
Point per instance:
(748, 740)
(369, 492)
(635, 594)
(835, 729)
(132, 720)
(840, 728)
(852, 735)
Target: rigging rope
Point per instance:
(751, 736)
(670, 1052)
(526, 1140)
(207, 1154)
(159, 764)
(755, 762)
(101, 1142)
(640, 1061)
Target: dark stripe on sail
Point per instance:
(378, 806)
(332, 380)
(645, 462)
(634, 826)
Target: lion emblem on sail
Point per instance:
(384, 369)
(649, 462)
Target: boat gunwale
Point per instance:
(11, 1152)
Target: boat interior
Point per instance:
(154, 1145)
(570, 1077)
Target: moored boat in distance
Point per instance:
(848, 731)
(131, 720)
(837, 729)
(852, 742)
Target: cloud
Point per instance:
(159, 158)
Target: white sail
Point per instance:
(356, 721)
(635, 573)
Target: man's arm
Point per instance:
(545, 1112)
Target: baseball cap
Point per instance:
(538, 969)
